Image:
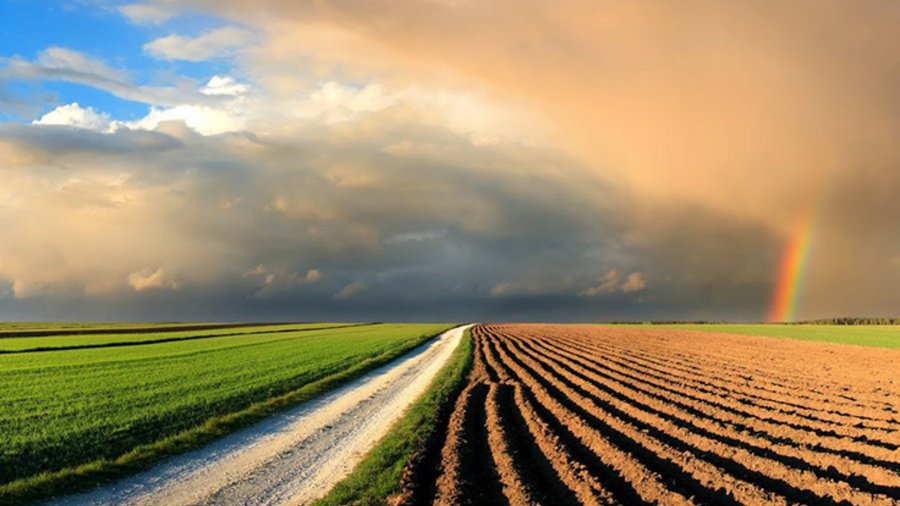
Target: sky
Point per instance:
(577, 160)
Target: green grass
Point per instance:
(74, 416)
(41, 326)
(44, 343)
(379, 475)
(879, 336)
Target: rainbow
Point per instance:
(792, 269)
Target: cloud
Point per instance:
(634, 283)
(218, 43)
(205, 120)
(350, 291)
(66, 60)
(77, 116)
(224, 85)
(537, 286)
(145, 13)
(62, 64)
(313, 276)
(407, 237)
(229, 115)
(279, 281)
(314, 205)
(147, 279)
(482, 160)
(608, 284)
(755, 82)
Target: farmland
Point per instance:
(564, 414)
(64, 327)
(881, 336)
(95, 411)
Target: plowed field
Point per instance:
(565, 414)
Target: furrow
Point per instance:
(631, 461)
(747, 385)
(576, 467)
(739, 413)
(685, 461)
(747, 451)
(724, 363)
(877, 442)
(513, 487)
(468, 472)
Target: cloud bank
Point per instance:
(465, 160)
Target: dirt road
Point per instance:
(291, 458)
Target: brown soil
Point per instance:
(578, 414)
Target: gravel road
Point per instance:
(291, 458)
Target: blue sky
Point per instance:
(98, 30)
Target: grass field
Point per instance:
(68, 408)
(46, 343)
(882, 336)
(36, 326)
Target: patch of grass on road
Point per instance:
(879, 336)
(70, 418)
(379, 476)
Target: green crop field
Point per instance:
(43, 343)
(6, 327)
(62, 409)
(881, 336)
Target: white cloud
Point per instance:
(147, 279)
(63, 59)
(336, 102)
(224, 85)
(62, 64)
(218, 43)
(482, 121)
(218, 106)
(140, 13)
(228, 115)
(205, 120)
(76, 116)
